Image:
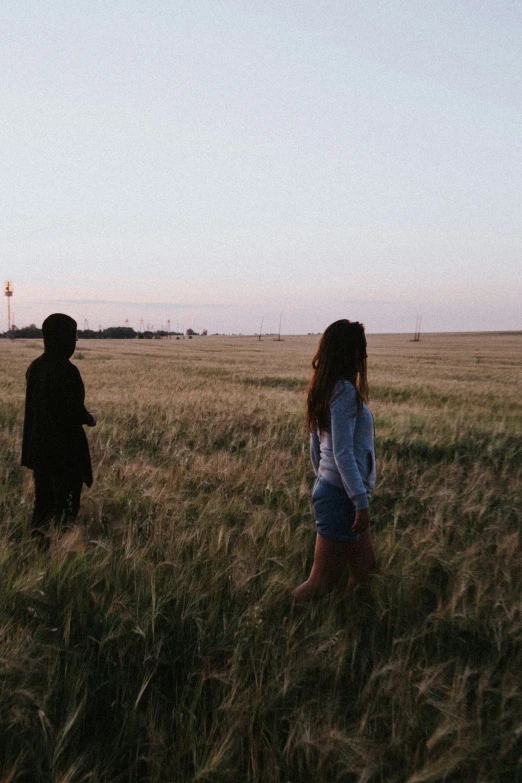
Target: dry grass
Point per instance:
(156, 641)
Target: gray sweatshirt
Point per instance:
(344, 454)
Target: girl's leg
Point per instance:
(330, 560)
(361, 560)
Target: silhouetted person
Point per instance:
(54, 442)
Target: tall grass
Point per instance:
(156, 641)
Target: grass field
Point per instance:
(156, 641)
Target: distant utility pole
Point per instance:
(8, 292)
(85, 324)
(278, 338)
(168, 328)
(416, 336)
(261, 329)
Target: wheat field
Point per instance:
(156, 640)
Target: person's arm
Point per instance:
(68, 397)
(343, 411)
(315, 449)
(27, 449)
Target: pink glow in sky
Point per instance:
(218, 163)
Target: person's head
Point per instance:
(341, 355)
(59, 335)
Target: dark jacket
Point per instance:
(54, 439)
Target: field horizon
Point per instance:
(156, 640)
(270, 335)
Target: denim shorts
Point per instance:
(334, 511)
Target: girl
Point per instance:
(343, 457)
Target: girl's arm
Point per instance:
(315, 450)
(343, 411)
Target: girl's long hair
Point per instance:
(341, 355)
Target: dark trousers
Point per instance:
(56, 497)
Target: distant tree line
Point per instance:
(26, 331)
(111, 333)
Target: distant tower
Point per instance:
(416, 336)
(168, 328)
(8, 291)
(278, 338)
(85, 324)
(141, 324)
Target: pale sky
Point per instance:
(215, 162)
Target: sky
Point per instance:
(219, 163)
